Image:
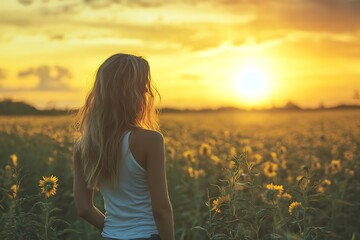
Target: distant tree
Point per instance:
(9, 107)
(291, 105)
(51, 105)
(356, 94)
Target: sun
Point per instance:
(252, 84)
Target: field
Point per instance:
(295, 176)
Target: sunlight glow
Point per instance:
(252, 84)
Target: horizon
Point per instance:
(244, 54)
(259, 108)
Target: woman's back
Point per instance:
(133, 183)
(128, 207)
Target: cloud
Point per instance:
(191, 77)
(98, 4)
(62, 9)
(326, 16)
(54, 7)
(26, 2)
(50, 78)
(57, 37)
(146, 3)
(192, 36)
(272, 20)
(325, 48)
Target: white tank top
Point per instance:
(128, 211)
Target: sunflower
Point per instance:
(194, 173)
(232, 151)
(286, 196)
(303, 183)
(48, 185)
(248, 150)
(322, 187)
(220, 200)
(327, 182)
(349, 155)
(273, 192)
(189, 155)
(215, 159)
(282, 150)
(273, 156)
(335, 166)
(270, 169)
(171, 152)
(295, 209)
(315, 164)
(13, 191)
(257, 158)
(205, 149)
(14, 159)
(7, 167)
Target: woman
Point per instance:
(121, 153)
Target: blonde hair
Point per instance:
(122, 98)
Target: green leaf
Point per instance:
(67, 230)
(56, 220)
(345, 203)
(283, 222)
(220, 236)
(263, 212)
(275, 236)
(199, 228)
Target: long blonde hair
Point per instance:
(122, 98)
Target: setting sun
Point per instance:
(252, 84)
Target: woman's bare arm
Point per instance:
(84, 197)
(156, 173)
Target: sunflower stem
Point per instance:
(300, 228)
(46, 218)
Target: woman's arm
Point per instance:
(84, 197)
(156, 173)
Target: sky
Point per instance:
(202, 53)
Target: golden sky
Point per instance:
(245, 53)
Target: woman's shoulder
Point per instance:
(147, 137)
(144, 142)
(149, 134)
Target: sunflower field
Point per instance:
(251, 175)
